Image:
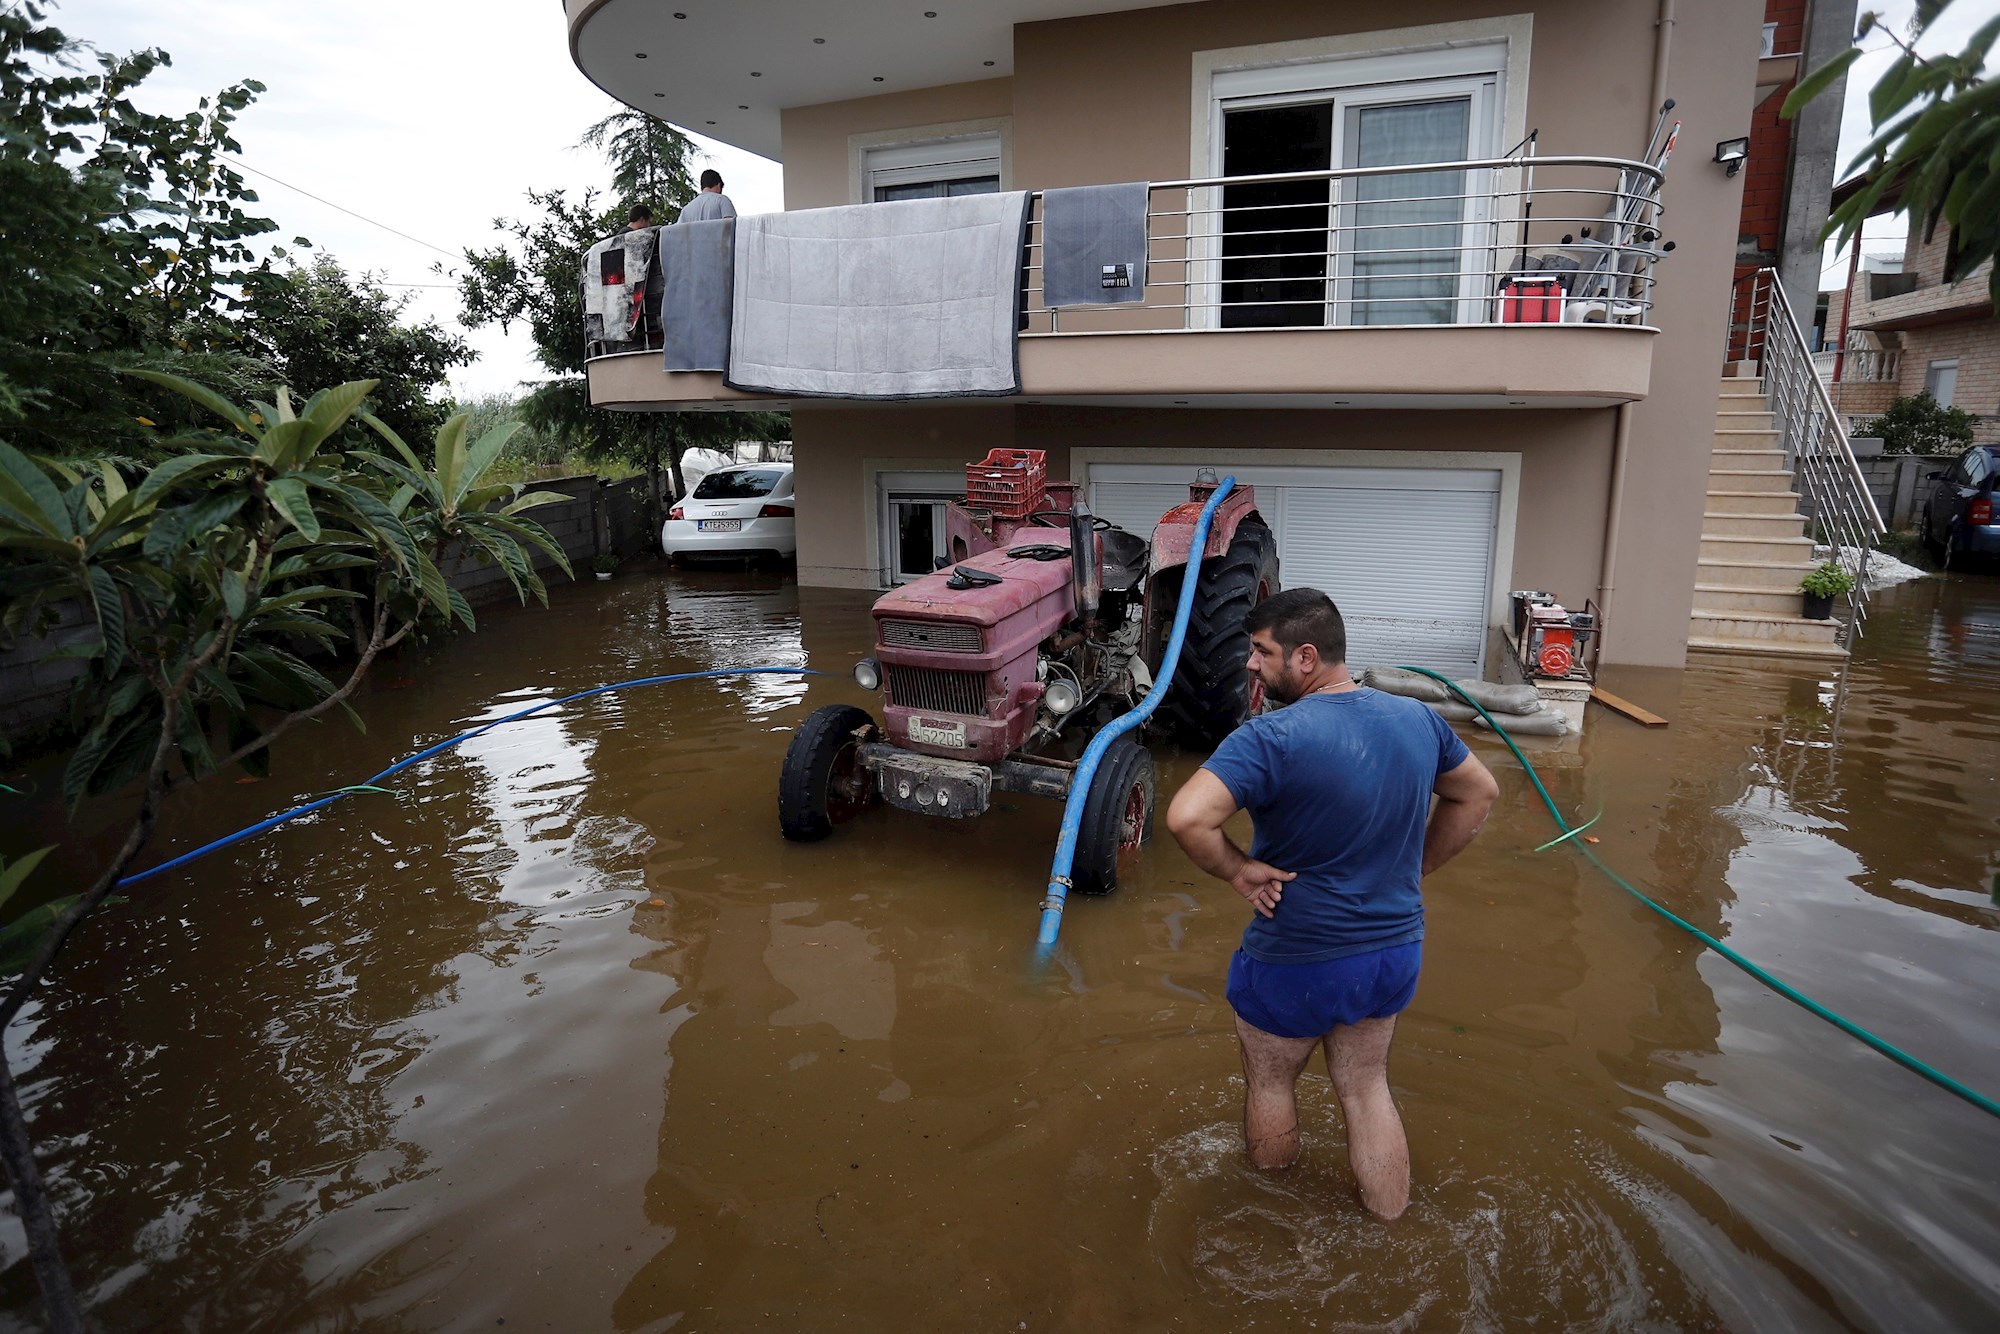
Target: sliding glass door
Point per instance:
(1371, 249)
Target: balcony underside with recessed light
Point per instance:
(1453, 366)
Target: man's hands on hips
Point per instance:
(1199, 810)
(1261, 883)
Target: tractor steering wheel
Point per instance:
(1060, 519)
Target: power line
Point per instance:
(450, 254)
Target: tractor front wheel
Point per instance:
(1117, 816)
(1212, 692)
(823, 783)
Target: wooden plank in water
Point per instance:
(1626, 707)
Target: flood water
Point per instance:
(568, 1038)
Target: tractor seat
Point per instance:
(1124, 559)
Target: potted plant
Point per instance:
(1821, 587)
(603, 563)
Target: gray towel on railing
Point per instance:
(697, 280)
(1094, 235)
(912, 299)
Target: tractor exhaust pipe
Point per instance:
(1086, 576)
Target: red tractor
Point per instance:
(1042, 624)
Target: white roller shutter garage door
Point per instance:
(1406, 553)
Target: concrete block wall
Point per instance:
(596, 517)
(32, 690)
(1898, 485)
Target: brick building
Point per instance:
(1905, 329)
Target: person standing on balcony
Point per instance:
(640, 218)
(1338, 785)
(710, 203)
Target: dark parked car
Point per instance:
(1959, 517)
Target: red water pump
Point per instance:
(1551, 638)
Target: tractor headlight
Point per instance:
(868, 674)
(1061, 697)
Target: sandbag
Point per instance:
(1410, 685)
(1546, 723)
(1521, 699)
(1452, 711)
(1514, 700)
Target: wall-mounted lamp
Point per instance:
(1730, 153)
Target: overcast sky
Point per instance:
(432, 117)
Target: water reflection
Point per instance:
(571, 1038)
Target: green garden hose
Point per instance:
(1789, 992)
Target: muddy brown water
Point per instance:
(568, 1038)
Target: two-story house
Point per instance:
(1899, 329)
(1339, 336)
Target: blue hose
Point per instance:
(1086, 768)
(442, 746)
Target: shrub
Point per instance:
(1918, 424)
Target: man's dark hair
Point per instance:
(711, 178)
(639, 213)
(1301, 616)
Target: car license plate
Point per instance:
(720, 525)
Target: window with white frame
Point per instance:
(911, 521)
(1385, 249)
(934, 169)
(1941, 381)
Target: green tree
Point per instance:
(529, 450)
(1936, 150)
(533, 277)
(126, 234)
(206, 575)
(649, 161)
(316, 324)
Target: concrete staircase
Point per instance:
(1753, 544)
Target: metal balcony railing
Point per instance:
(1832, 492)
(1438, 243)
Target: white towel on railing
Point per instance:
(918, 298)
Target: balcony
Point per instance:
(1491, 283)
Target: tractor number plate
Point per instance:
(928, 733)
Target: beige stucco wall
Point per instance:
(836, 452)
(1110, 98)
(1564, 470)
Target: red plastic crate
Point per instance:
(1008, 483)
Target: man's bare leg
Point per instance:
(1271, 1068)
(1357, 1059)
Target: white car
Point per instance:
(743, 510)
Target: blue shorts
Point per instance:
(1310, 1000)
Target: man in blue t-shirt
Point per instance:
(1338, 786)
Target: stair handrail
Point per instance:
(1814, 441)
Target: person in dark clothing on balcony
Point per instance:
(710, 203)
(1338, 785)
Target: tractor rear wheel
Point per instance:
(1117, 816)
(1212, 692)
(823, 783)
